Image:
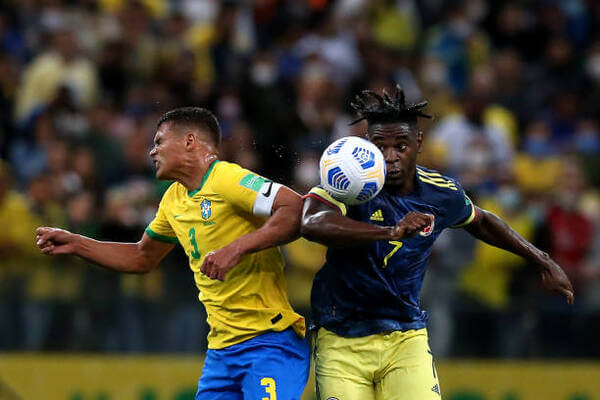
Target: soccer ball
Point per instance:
(352, 170)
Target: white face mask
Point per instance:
(263, 74)
(478, 158)
(476, 10)
(461, 27)
(229, 107)
(568, 200)
(592, 66)
(509, 198)
(433, 73)
(307, 173)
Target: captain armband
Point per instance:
(263, 205)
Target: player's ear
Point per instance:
(419, 141)
(190, 140)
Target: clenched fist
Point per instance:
(54, 241)
(412, 223)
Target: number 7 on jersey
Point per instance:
(397, 246)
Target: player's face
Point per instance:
(168, 146)
(399, 143)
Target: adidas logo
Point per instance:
(436, 389)
(377, 216)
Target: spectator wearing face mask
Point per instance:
(569, 232)
(568, 236)
(537, 166)
(473, 144)
(487, 281)
(64, 65)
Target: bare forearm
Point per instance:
(121, 257)
(336, 230)
(283, 227)
(494, 231)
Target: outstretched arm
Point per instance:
(282, 227)
(494, 231)
(134, 258)
(322, 223)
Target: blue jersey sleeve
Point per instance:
(461, 211)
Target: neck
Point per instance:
(192, 173)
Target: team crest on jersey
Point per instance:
(428, 229)
(205, 207)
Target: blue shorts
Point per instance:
(271, 366)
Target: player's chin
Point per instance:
(394, 180)
(162, 175)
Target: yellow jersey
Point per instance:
(252, 300)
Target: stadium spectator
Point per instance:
(17, 258)
(487, 282)
(63, 65)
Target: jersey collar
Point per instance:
(191, 193)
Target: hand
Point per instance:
(217, 263)
(555, 279)
(412, 223)
(54, 241)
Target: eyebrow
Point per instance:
(403, 135)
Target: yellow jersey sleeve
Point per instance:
(159, 228)
(237, 185)
(322, 195)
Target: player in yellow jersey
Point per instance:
(230, 222)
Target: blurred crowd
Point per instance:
(514, 87)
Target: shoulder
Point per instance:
(174, 188)
(433, 181)
(45, 60)
(228, 175)
(224, 166)
(446, 193)
(322, 195)
(224, 169)
(440, 190)
(172, 192)
(16, 202)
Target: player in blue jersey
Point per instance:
(371, 341)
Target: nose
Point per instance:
(390, 155)
(152, 151)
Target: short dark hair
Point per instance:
(196, 117)
(387, 109)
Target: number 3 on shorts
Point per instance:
(270, 388)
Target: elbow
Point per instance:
(142, 267)
(143, 262)
(305, 226)
(310, 226)
(147, 267)
(292, 230)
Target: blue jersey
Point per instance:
(372, 288)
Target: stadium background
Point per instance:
(514, 87)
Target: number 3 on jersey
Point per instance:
(397, 246)
(194, 253)
(269, 384)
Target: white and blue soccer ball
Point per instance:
(352, 170)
